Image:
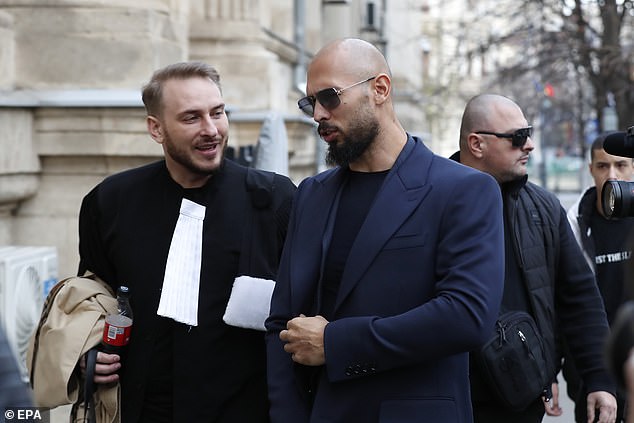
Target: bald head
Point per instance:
(487, 137)
(352, 57)
(359, 123)
(482, 113)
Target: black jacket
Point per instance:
(560, 286)
(560, 283)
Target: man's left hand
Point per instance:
(304, 337)
(552, 405)
(605, 403)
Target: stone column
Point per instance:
(228, 35)
(337, 20)
(19, 164)
(250, 42)
(7, 50)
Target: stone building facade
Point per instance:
(71, 73)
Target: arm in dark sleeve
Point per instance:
(92, 252)
(288, 404)
(581, 313)
(284, 191)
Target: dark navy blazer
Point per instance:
(421, 287)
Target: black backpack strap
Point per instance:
(260, 185)
(260, 226)
(89, 385)
(48, 303)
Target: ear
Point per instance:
(154, 128)
(476, 145)
(382, 88)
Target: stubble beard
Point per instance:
(182, 157)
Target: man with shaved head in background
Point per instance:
(392, 268)
(546, 274)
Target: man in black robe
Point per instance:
(184, 363)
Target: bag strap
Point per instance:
(89, 385)
(260, 185)
(43, 316)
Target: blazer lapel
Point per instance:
(402, 192)
(320, 210)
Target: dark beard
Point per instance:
(352, 147)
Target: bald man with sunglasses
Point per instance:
(546, 274)
(392, 267)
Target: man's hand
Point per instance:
(105, 368)
(552, 406)
(304, 337)
(605, 402)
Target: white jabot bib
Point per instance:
(179, 296)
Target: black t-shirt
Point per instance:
(356, 199)
(611, 256)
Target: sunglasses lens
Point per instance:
(328, 98)
(307, 105)
(521, 136)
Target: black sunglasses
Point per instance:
(329, 98)
(518, 138)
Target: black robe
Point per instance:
(213, 372)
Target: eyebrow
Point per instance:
(601, 162)
(194, 111)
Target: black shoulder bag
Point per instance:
(513, 361)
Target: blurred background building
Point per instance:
(71, 72)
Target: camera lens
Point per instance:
(617, 199)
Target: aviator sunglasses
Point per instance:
(518, 138)
(328, 98)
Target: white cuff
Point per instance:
(250, 302)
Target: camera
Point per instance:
(617, 197)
